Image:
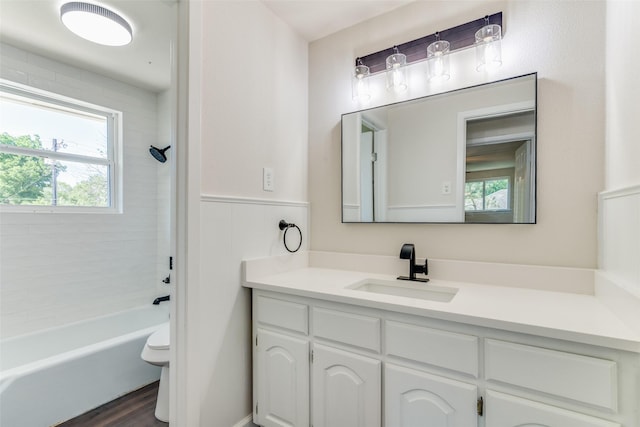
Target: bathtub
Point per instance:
(53, 375)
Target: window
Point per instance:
(490, 194)
(56, 153)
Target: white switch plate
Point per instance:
(446, 187)
(267, 179)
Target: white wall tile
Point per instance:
(61, 268)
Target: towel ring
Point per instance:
(284, 225)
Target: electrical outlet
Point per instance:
(446, 187)
(268, 183)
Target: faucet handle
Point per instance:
(423, 269)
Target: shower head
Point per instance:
(158, 153)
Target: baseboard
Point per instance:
(246, 422)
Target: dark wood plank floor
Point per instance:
(131, 410)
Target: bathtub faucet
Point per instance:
(160, 299)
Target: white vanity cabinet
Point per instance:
(327, 364)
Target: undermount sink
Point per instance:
(407, 289)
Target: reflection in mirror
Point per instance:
(466, 156)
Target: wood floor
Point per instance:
(131, 410)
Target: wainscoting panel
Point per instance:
(233, 229)
(619, 236)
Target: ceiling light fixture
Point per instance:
(96, 24)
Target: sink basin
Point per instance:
(407, 289)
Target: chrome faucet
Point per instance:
(408, 251)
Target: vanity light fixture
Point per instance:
(360, 83)
(396, 71)
(438, 59)
(485, 34)
(488, 46)
(96, 23)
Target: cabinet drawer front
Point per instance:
(581, 378)
(444, 349)
(503, 410)
(283, 314)
(348, 328)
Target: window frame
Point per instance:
(113, 161)
(484, 196)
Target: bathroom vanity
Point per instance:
(334, 347)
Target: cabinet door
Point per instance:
(346, 389)
(418, 399)
(503, 410)
(282, 381)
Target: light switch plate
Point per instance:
(268, 183)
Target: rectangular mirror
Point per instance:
(465, 156)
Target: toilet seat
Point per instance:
(156, 349)
(156, 352)
(159, 340)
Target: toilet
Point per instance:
(156, 352)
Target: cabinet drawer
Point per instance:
(444, 349)
(581, 378)
(504, 410)
(348, 328)
(283, 314)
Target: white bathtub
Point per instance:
(51, 376)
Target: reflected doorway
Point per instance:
(499, 177)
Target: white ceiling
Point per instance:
(35, 25)
(315, 19)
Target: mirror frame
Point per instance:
(534, 162)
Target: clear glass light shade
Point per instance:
(488, 47)
(360, 84)
(96, 24)
(438, 60)
(397, 72)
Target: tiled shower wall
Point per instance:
(58, 268)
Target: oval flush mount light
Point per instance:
(96, 24)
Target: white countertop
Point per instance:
(569, 316)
